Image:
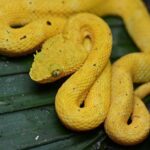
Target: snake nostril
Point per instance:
(56, 73)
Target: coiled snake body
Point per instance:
(76, 90)
(132, 68)
(41, 20)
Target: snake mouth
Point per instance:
(44, 72)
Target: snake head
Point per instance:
(58, 58)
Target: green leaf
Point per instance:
(10, 66)
(27, 115)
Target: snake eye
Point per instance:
(56, 73)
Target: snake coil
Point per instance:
(88, 50)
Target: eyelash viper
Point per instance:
(132, 68)
(15, 42)
(94, 74)
(122, 103)
(81, 86)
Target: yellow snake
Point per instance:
(81, 86)
(143, 90)
(42, 20)
(67, 59)
(94, 74)
(132, 68)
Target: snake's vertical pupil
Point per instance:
(56, 73)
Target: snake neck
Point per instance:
(77, 88)
(91, 29)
